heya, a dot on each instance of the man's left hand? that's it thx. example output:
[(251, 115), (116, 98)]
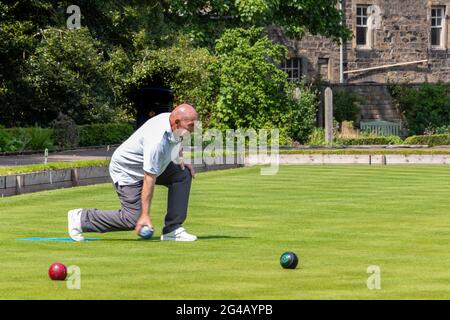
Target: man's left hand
[(189, 166)]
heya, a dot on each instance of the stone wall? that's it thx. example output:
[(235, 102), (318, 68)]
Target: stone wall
[(402, 36), (66, 178), (377, 101)]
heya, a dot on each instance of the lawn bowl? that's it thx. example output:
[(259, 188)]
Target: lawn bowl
[(57, 271), (146, 232), (289, 260)]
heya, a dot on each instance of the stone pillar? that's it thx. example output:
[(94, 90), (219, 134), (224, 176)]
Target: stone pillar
[(74, 177), (19, 184), (328, 115)]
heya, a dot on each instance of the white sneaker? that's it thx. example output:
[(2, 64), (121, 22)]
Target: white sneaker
[(74, 224), (179, 234)]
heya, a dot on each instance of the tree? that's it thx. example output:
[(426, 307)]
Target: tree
[(181, 67), (41, 74), (67, 74), (248, 90), (205, 21)]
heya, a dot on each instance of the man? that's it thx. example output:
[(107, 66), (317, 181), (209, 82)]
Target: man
[(143, 160)]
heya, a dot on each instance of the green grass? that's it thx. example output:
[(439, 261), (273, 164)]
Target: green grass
[(370, 151), (338, 219), (348, 150), (88, 163), (51, 166)]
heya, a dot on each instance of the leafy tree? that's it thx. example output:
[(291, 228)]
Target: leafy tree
[(181, 67), (248, 90), (88, 73), (248, 85), (207, 20), (67, 74)]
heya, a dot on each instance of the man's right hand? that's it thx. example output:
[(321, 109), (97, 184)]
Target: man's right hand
[(144, 220)]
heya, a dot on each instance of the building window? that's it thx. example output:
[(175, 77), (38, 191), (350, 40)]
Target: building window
[(437, 26), (293, 68), (324, 68), (361, 26)]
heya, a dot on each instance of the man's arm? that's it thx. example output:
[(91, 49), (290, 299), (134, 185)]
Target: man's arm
[(146, 200)]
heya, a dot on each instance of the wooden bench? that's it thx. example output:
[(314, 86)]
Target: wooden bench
[(380, 127)]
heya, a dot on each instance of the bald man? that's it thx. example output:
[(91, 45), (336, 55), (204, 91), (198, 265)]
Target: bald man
[(143, 160)]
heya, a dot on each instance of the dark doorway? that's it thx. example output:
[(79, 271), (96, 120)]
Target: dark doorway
[(151, 101)]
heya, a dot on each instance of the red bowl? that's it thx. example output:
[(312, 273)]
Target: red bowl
[(57, 271)]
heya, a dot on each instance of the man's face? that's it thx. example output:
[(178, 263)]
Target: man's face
[(185, 126)]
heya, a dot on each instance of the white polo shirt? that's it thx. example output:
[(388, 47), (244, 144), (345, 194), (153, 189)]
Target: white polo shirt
[(151, 148)]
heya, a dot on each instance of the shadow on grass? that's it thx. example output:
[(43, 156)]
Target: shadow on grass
[(159, 240), (221, 237), (132, 240)]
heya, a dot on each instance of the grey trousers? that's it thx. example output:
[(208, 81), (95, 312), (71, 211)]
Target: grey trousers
[(176, 180)]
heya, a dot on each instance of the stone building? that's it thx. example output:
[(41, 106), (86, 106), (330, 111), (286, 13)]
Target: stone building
[(395, 41)]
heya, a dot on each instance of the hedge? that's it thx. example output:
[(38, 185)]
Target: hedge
[(104, 134), (431, 140), (379, 140), (35, 138)]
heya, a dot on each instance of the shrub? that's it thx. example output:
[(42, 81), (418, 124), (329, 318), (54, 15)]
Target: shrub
[(104, 134), (426, 107), (5, 138), (14, 139), (34, 138), (67, 73), (317, 137), (301, 113), (443, 130), (431, 140), (370, 140), (65, 132), (249, 90), (345, 105), (39, 139), (181, 67)]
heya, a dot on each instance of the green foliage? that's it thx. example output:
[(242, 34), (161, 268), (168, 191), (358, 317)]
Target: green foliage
[(12, 140), (300, 116), (317, 137), (370, 140), (104, 134), (36, 138), (443, 130), (425, 107), (248, 90), (22, 139), (249, 86), (90, 74), (345, 106), (181, 67), (5, 139), (430, 140), (65, 132), (39, 139), (46, 68), (67, 73), (206, 21)]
